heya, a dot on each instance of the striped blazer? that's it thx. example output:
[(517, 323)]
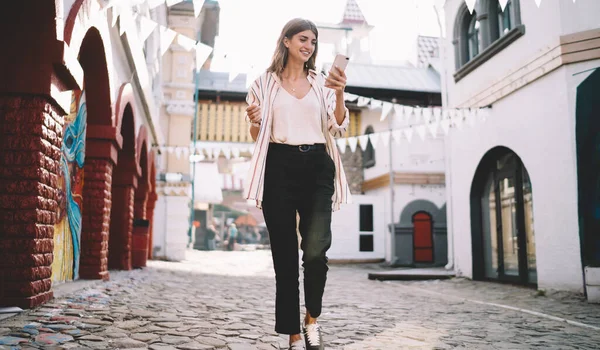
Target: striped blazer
[(263, 92)]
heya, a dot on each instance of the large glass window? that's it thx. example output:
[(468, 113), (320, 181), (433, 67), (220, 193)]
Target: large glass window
[(505, 21), (473, 37)]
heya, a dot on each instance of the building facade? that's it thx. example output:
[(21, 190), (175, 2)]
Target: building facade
[(522, 187), (77, 189)]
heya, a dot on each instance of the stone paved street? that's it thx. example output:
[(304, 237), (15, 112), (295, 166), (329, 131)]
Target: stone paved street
[(225, 300)]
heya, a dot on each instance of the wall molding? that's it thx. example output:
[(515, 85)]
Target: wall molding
[(568, 49), (404, 178)]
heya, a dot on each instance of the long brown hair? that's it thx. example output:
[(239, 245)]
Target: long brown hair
[(292, 28)]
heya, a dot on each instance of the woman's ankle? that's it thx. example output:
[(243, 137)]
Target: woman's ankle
[(295, 338)]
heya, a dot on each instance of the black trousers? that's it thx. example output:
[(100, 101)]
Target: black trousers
[(298, 178)]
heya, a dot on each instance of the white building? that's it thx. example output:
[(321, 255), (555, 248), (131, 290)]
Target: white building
[(522, 192)]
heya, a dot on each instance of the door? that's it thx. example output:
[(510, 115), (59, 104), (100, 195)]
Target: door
[(422, 238)]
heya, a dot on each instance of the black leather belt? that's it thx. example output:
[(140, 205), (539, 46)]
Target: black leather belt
[(301, 148)]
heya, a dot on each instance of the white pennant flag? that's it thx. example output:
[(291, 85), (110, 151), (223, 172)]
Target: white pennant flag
[(418, 112), (147, 26), (342, 145), (166, 38), (197, 7), (385, 110), (446, 114), (385, 137), (187, 43), (408, 110), (472, 116), (363, 101), (399, 112), (471, 5), (445, 123), (538, 2), (503, 4), (216, 152), (408, 133), (202, 53), (178, 151), (437, 113), (433, 127), (186, 151), (173, 2), (350, 97), (235, 152), (227, 152), (421, 130), (375, 104), (155, 3), (126, 22), (397, 136), (374, 138), (115, 15), (458, 119), (170, 149), (352, 143), (427, 113), (364, 141)]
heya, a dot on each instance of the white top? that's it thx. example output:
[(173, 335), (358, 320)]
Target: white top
[(297, 121)]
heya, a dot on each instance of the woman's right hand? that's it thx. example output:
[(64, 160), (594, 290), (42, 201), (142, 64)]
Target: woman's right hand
[(253, 112)]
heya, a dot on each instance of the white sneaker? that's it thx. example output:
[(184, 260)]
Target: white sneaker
[(313, 336), (297, 345)]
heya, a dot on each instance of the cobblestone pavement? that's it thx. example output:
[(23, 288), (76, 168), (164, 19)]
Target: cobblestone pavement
[(225, 300)]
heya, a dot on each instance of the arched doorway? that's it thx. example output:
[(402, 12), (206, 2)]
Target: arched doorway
[(422, 237), (588, 168), (502, 219)]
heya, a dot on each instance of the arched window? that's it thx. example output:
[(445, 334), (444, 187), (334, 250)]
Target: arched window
[(368, 156), (505, 21), (473, 36)]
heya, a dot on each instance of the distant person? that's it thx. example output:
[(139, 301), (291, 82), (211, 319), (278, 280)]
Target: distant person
[(211, 234), (295, 113), (233, 235)]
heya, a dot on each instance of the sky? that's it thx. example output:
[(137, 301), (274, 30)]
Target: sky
[(247, 34)]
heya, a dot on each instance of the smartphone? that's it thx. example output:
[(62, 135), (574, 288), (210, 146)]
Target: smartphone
[(340, 61)]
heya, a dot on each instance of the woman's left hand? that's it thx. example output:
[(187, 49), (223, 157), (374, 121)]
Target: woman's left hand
[(336, 80)]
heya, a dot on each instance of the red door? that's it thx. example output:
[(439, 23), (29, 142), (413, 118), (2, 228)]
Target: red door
[(423, 238)]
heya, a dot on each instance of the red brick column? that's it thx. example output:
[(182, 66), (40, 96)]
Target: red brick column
[(150, 205), (141, 197), (96, 219), (30, 138), (121, 217)]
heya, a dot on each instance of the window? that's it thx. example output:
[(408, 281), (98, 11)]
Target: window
[(365, 243), (366, 218), (480, 35)]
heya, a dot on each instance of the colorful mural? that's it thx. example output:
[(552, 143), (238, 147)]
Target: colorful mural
[(67, 232)]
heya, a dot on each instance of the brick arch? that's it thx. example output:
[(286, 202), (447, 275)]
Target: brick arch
[(125, 181), (102, 145)]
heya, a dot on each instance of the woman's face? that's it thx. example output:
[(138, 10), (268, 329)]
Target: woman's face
[(301, 46)]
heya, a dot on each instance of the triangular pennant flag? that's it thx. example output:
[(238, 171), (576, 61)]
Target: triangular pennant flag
[(399, 112), (216, 152), (170, 149), (418, 112), (197, 7), (374, 138), (173, 2), (445, 123), (187, 43), (186, 151), (202, 53), (178, 151), (364, 141), (385, 137), (227, 152), (235, 152), (421, 130), (503, 4), (350, 97), (166, 38), (352, 143), (538, 2), (458, 119), (375, 104), (445, 114), (427, 113), (470, 5), (363, 101), (484, 113), (472, 113), (341, 145), (147, 26), (408, 110), (385, 110), (397, 136), (433, 127), (155, 3), (126, 20), (437, 113), (408, 133)]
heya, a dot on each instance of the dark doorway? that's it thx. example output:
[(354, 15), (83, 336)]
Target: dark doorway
[(502, 219)]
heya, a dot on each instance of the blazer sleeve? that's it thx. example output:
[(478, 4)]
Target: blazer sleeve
[(335, 129)]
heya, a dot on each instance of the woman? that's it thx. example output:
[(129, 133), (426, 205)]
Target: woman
[(296, 167)]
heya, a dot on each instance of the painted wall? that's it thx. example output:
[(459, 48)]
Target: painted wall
[(67, 232)]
